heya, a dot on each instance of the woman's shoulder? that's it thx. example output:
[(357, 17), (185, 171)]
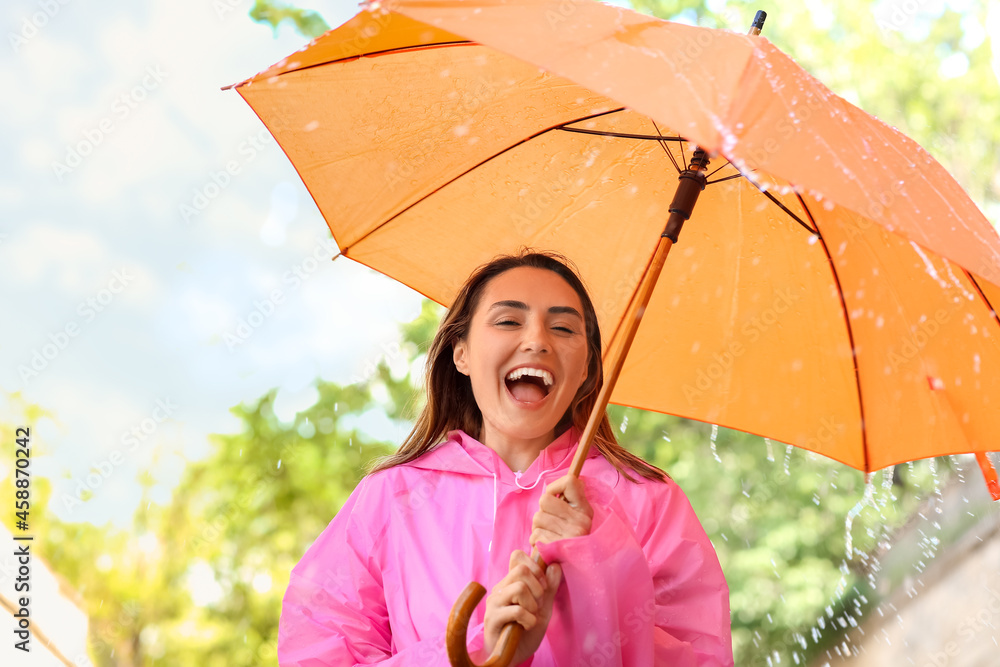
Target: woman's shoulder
[(644, 502), (629, 483)]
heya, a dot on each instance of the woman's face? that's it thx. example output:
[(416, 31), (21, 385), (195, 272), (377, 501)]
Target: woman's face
[(528, 322)]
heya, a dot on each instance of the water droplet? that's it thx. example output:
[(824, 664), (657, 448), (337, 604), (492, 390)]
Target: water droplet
[(712, 439)]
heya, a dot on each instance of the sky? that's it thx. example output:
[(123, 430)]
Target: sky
[(146, 289)]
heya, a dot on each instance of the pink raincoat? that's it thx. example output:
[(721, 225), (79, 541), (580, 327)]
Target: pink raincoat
[(643, 588)]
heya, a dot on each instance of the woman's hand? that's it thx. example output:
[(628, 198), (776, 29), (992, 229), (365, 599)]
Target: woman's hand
[(524, 596), (562, 512)]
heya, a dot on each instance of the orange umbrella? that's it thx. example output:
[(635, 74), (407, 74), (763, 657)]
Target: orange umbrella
[(835, 297), (834, 286)]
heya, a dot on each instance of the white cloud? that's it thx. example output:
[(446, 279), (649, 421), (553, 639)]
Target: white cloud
[(121, 207), (69, 257)]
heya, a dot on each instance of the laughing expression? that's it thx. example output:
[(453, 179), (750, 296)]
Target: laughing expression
[(525, 354)]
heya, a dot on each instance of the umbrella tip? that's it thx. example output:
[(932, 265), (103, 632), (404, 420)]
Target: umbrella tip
[(758, 22)]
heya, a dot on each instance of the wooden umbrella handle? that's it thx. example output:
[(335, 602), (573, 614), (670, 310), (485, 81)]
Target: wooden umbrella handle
[(458, 628)]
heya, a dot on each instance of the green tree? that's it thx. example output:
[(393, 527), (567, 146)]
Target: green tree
[(307, 22)]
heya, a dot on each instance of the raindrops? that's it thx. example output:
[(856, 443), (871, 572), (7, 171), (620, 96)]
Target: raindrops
[(866, 500)]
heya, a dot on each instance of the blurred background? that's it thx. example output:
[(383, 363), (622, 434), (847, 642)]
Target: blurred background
[(203, 386)]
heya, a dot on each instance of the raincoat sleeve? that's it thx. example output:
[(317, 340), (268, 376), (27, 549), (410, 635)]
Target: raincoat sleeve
[(645, 591), (334, 610)]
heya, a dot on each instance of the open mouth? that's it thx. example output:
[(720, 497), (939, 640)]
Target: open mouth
[(529, 385)]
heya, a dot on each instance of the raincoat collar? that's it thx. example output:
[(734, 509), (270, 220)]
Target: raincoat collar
[(464, 454)]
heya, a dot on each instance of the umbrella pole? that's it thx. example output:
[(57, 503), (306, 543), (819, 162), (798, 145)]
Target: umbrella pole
[(691, 183)]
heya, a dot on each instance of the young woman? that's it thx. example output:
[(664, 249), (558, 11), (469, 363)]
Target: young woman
[(512, 375)]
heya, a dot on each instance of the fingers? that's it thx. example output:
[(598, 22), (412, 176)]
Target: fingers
[(553, 576), (524, 585), (513, 614), (523, 568), (519, 597), (518, 557), (563, 512), (509, 603), (572, 491)]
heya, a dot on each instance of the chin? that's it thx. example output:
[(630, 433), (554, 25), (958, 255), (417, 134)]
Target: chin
[(531, 431)]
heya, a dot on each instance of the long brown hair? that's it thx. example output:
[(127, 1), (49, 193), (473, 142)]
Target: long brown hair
[(451, 403)]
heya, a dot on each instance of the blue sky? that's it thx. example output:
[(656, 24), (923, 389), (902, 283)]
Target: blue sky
[(123, 308)]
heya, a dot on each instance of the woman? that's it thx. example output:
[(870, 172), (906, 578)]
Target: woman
[(512, 375)]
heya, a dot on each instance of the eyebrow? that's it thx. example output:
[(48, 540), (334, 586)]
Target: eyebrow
[(520, 305)]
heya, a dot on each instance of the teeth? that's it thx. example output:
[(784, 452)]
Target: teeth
[(536, 372)]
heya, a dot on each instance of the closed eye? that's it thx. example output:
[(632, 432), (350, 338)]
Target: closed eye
[(515, 322)]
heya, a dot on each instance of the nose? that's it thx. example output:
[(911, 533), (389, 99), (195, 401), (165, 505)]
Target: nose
[(537, 337)]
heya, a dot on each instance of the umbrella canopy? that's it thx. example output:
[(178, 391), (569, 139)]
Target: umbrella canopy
[(831, 291)]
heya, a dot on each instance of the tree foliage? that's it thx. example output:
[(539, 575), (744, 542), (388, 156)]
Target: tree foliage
[(305, 21)]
